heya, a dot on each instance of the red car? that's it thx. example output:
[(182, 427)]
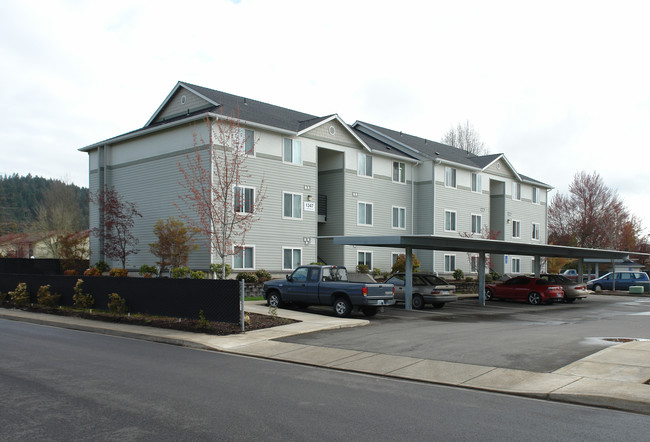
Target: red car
[(523, 288)]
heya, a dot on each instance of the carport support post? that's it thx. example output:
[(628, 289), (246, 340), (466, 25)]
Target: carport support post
[(481, 279), (613, 275), (408, 286), (242, 295), (581, 270)]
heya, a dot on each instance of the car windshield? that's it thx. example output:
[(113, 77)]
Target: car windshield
[(561, 279)]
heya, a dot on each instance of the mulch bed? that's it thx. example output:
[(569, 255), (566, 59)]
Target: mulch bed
[(256, 322)]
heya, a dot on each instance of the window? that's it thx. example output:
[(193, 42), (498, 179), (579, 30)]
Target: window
[(516, 191), (450, 221), (393, 258), (243, 259), (399, 218), (399, 172), (244, 198), (450, 177), (450, 263), (473, 263), (291, 258), (365, 258), (476, 183), (365, 165), (477, 221), (249, 142), (516, 229), (292, 205), (292, 151), (365, 214), (535, 195), (516, 265), (535, 233)]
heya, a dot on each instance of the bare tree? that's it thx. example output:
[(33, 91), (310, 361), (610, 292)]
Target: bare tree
[(465, 137), (216, 203), (591, 215), (118, 221), (59, 214)]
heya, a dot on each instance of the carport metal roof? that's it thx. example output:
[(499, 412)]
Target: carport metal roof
[(459, 244)]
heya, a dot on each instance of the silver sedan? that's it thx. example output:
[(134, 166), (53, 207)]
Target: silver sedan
[(427, 289)]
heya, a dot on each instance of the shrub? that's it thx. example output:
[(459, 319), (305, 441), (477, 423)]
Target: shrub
[(119, 273), (3, 297), (197, 274), (116, 304), (363, 268), (203, 322), (458, 274), (316, 263), (216, 269), (494, 275), (81, 300), (247, 277), (92, 272), (400, 263), (180, 272), (148, 271), (262, 275), (20, 296), (70, 272), (488, 278), (45, 298), (376, 272), (469, 279), (102, 266)]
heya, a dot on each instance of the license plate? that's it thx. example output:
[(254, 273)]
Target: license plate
[(381, 302), (445, 292)]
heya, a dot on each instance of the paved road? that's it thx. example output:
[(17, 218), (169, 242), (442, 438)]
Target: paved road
[(502, 334), (59, 384)]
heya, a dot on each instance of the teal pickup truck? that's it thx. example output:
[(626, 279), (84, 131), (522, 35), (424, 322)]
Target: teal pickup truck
[(328, 285)]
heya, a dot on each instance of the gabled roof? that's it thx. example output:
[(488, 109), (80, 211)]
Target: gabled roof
[(244, 109), (422, 148)]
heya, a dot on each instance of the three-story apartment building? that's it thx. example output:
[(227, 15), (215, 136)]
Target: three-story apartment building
[(322, 178)]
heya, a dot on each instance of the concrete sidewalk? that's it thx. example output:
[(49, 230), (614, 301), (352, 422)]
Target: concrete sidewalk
[(615, 377)]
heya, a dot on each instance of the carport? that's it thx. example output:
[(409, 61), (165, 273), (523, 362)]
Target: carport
[(476, 245)]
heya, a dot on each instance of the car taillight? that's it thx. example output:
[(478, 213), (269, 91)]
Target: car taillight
[(393, 290), (581, 287), (364, 291), (435, 292)]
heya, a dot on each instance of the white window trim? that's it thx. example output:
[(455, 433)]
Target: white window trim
[(480, 225), (479, 183), (391, 172), (513, 225), (472, 258), (532, 232), (254, 144), (512, 264), (243, 246), (393, 257), (293, 140), (536, 191), (444, 221), (372, 166), (301, 200), (453, 177), (516, 185), (393, 219), (373, 214), (444, 262), (243, 205), (372, 258), (292, 249)]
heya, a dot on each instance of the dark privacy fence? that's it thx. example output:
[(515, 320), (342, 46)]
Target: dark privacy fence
[(178, 298)]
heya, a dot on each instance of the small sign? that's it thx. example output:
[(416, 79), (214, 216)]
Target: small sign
[(310, 206)]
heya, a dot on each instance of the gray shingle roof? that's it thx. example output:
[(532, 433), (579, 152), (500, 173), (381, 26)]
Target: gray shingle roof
[(256, 111)]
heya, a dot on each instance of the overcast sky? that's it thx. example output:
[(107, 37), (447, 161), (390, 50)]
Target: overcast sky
[(557, 86)]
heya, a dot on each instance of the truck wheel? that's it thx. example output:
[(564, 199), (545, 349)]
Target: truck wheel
[(417, 302), (342, 307), (369, 311), (273, 299)]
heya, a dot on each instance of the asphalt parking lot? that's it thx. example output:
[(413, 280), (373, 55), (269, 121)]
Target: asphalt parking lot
[(501, 334)]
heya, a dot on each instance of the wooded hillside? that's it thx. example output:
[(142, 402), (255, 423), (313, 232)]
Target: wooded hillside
[(31, 203)]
